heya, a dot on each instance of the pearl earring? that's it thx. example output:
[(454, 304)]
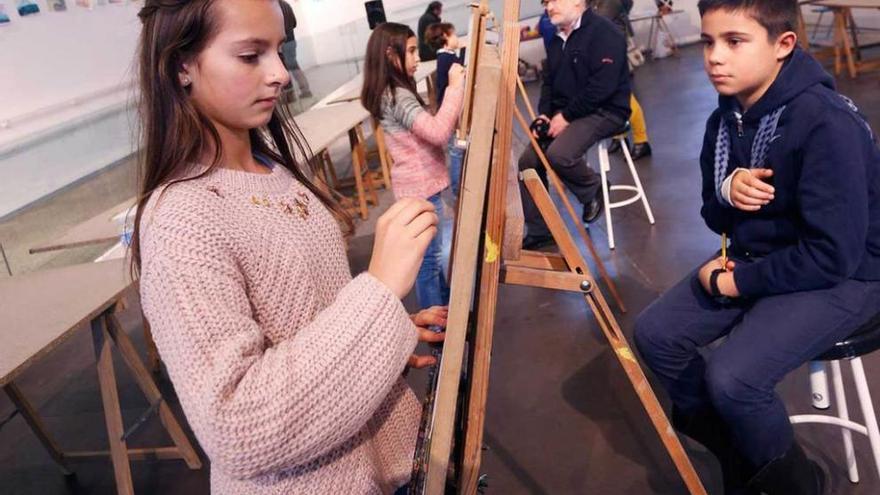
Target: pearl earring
[(186, 81)]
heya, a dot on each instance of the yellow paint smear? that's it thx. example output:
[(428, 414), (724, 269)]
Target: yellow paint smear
[(625, 353), (492, 250)]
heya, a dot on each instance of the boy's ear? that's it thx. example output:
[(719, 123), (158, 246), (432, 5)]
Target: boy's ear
[(785, 44)]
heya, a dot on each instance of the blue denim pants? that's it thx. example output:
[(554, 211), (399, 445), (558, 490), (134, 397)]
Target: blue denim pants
[(432, 289), (455, 155)]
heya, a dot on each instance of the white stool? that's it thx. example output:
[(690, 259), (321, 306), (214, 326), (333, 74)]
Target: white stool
[(863, 341), (605, 167)]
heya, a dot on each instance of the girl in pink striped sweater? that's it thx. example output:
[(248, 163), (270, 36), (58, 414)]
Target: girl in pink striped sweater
[(415, 138), (288, 369)]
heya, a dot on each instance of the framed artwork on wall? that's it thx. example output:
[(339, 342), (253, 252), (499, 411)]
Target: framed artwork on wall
[(4, 17), (57, 5), (89, 4)]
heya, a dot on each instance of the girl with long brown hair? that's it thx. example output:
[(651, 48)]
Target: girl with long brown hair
[(416, 139), (288, 370)]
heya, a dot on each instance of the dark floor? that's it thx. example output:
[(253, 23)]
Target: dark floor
[(562, 418)]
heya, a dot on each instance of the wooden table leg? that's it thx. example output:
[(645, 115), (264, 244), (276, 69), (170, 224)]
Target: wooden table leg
[(331, 169), (151, 391), (357, 169), (368, 175), (803, 37), (29, 413), (153, 361), (843, 42), (384, 159), (112, 410)]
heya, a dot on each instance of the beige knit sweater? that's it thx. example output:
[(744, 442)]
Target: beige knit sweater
[(288, 370)]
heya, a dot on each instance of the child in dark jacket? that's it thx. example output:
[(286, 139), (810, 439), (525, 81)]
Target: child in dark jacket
[(441, 37), (791, 173)]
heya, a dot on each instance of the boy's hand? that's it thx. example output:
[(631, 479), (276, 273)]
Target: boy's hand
[(726, 283), (557, 125), (749, 191)]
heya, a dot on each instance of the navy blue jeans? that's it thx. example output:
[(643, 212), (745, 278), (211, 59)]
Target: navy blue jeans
[(766, 339), (432, 288)]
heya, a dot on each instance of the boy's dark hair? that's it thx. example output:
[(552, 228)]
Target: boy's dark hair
[(434, 6), (436, 34), (776, 16)]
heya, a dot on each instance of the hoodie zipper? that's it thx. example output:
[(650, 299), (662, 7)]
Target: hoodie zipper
[(739, 124)]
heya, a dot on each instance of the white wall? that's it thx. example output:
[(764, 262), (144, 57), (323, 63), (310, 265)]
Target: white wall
[(64, 97), (53, 57)]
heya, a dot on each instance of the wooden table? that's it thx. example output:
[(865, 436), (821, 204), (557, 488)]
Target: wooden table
[(353, 87), (658, 24), (103, 228), (41, 310), (322, 127), (844, 46)]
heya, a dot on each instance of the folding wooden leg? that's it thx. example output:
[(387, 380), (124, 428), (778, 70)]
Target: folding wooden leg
[(596, 301), (369, 185), (112, 411), (153, 361), (331, 169), (357, 166), (843, 41), (384, 159), (151, 391), (30, 416)]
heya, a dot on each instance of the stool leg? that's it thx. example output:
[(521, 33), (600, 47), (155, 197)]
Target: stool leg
[(867, 409), (635, 176), (604, 167), (843, 413), (819, 385)]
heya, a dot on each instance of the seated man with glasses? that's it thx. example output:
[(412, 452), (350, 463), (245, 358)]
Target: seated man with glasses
[(584, 98)]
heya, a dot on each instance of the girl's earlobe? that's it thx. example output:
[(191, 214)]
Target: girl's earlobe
[(184, 76)]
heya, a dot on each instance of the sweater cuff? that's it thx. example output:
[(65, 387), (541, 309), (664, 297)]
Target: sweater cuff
[(379, 295), (749, 283), (725, 186)]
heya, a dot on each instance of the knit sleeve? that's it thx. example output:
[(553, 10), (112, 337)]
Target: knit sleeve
[(259, 408), (437, 129)]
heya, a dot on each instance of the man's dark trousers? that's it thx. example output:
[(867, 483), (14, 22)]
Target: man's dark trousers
[(566, 156)]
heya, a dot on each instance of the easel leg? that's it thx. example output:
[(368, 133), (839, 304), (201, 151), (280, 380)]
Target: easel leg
[(29, 413), (481, 350), (613, 334), (112, 411), (151, 391)]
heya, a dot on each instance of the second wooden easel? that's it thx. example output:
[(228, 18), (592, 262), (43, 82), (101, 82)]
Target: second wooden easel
[(487, 165)]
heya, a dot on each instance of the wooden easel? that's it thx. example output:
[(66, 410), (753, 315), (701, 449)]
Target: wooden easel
[(493, 109)]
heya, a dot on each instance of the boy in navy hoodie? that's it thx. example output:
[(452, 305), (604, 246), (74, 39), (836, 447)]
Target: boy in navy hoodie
[(791, 173)]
